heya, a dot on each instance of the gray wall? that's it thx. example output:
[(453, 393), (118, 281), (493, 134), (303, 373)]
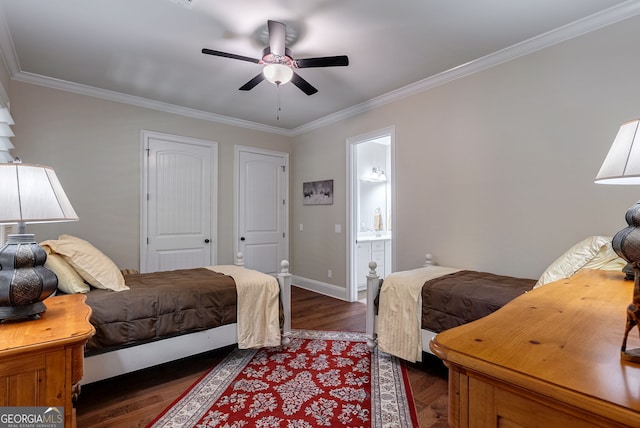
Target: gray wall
[(493, 171), (95, 147)]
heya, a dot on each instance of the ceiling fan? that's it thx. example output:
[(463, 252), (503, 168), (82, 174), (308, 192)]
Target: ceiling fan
[(279, 62)]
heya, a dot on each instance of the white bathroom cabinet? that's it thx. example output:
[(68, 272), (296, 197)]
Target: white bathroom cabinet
[(373, 249)]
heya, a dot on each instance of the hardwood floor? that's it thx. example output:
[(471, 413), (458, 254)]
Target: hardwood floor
[(133, 400)]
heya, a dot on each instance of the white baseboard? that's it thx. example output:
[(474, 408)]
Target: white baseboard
[(320, 287)]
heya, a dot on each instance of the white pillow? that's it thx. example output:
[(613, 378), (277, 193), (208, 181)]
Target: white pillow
[(594, 252), (91, 264), (69, 281), (606, 259)]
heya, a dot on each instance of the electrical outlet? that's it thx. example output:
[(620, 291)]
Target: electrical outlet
[(329, 273), (301, 227)]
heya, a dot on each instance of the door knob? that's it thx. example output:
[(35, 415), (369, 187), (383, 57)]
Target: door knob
[(206, 241), (242, 238)]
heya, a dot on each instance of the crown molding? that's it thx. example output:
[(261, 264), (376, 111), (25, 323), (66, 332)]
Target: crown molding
[(143, 102), (591, 23)]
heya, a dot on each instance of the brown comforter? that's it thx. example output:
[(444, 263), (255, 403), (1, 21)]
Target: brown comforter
[(160, 305), (458, 298)]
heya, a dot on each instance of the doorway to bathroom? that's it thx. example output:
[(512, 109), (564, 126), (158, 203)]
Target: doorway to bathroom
[(371, 202)]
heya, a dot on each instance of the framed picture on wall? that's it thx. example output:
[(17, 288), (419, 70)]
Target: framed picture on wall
[(318, 192)]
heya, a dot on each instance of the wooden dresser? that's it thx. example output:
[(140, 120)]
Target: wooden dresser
[(41, 361), (550, 358)]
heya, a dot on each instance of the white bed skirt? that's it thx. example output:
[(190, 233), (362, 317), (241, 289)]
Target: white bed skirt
[(127, 360)]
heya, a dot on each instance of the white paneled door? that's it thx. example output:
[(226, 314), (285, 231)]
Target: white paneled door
[(179, 194), (262, 208)]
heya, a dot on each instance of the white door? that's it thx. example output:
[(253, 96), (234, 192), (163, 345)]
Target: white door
[(262, 208), (179, 192)]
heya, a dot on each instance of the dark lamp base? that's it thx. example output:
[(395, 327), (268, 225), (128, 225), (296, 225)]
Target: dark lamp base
[(626, 244), (632, 355), (24, 281), (32, 311)]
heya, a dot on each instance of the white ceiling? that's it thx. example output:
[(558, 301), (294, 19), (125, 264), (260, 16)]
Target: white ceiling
[(148, 52)]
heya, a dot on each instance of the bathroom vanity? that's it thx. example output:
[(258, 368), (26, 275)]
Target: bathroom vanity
[(373, 247)]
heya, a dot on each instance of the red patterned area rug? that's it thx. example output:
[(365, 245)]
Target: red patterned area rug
[(321, 379)]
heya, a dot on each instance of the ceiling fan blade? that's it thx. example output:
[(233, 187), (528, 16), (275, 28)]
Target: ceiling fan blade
[(253, 82), (327, 61), (229, 55), (277, 35), (303, 84)]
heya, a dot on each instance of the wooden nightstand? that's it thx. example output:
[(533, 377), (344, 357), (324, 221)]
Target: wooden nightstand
[(41, 361), (549, 358)]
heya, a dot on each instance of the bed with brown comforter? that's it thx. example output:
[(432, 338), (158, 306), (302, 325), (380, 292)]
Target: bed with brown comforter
[(164, 316), (410, 307), (159, 305), (430, 300), (147, 319)]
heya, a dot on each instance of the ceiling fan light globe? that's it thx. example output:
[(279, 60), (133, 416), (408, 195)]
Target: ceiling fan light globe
[(278, 74)]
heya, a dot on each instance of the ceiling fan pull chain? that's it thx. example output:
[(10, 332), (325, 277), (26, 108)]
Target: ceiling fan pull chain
[(278, 101)]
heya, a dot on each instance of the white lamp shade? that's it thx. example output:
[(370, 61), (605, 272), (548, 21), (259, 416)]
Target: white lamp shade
[(6, 117), (622, 164), (5, 144), (32, 194), (278, 74), (5, 130)]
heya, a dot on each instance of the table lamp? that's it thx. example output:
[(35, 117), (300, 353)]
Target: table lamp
[(622, 166), (28, 194)]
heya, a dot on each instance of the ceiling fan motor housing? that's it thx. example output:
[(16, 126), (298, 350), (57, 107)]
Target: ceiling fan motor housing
[(286, 59)]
